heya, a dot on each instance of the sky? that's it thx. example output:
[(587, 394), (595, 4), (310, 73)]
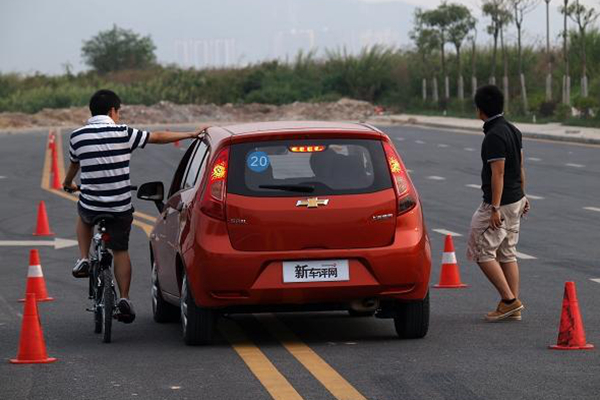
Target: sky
[(46, 36)]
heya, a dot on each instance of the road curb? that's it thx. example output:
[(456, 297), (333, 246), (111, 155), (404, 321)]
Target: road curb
[(526, 134)]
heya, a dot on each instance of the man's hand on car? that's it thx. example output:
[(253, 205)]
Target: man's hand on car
[(201, 132)]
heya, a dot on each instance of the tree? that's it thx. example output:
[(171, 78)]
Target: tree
[(583, 17), (438, 20), (473, 40), (566, 92), (460, 23), (118, 49), (499, 16), (520, 8), (548, 56), (426, 40)]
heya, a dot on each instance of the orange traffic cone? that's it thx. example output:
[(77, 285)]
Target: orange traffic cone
[(43, 227), (449, 276), (32, 349), (35, 278), (55, 174), (571, 335), (52, 141)]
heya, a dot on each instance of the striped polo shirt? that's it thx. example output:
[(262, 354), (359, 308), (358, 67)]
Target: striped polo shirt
[(103, 150)]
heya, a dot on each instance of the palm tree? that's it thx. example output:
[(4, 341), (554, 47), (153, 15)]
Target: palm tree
[(548, 56), (499, 16), (522, 7), (583, 17), (566, 92), (461, 22)]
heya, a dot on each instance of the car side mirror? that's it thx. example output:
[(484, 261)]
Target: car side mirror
[(153, 191)]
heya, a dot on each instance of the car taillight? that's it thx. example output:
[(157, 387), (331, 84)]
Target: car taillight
[(213, 202), (306, 149), (402, 185)]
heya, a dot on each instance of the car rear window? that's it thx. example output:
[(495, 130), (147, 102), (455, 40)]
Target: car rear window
[(286, 168)]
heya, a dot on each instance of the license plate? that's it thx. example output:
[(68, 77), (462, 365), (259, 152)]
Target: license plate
[(316, 271)]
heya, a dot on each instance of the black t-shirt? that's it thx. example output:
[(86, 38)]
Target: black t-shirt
[(502, 142)]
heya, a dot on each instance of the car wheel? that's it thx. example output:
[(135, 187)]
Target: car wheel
[(161, 310), (198, 323), (412, 318)]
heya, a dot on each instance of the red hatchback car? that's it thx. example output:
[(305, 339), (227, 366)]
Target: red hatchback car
[(283, 216)]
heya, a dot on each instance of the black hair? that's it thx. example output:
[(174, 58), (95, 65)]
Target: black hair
[(489, 100), (103, 100)]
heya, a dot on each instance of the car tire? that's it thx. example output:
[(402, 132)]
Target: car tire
[(198, 323), (412, 318), (161, 310)]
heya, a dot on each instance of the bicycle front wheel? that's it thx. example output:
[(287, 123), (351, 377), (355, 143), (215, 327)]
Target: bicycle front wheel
[(108, 304)]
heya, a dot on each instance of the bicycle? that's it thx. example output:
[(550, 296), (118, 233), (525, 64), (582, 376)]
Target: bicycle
[(102, 290)]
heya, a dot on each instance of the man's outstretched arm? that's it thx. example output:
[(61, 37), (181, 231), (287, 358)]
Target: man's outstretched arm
[(71, 174), (162, 137)]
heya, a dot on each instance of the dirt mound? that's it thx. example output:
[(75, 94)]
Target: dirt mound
[(170, 113)]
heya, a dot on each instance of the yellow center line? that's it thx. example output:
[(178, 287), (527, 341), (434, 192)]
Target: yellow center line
[(340, 388), (147, 228), (276, 384)]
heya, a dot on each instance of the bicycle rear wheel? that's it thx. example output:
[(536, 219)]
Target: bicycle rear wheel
[(108, 304), (96, 295)]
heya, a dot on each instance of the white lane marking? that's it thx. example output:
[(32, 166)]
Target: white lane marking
[(2, 177), (436, 178), (534, 159), (400, 139), (57, 243), (533, 197), (575, 165), (595, 280), (10, 308), (443, 146), (469, 149), (592, 209), (410, 171), (419, 142), (474, 186), (524, 256), (446, 232)]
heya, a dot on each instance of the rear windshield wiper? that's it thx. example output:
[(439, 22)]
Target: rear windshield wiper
[(290, 188)]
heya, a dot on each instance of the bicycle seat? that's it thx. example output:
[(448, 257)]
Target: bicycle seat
[(100, 217)]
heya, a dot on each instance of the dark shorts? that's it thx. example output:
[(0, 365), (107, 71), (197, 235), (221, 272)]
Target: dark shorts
[(118, 229)]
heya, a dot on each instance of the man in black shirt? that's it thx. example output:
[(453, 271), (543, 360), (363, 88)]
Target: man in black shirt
[(495, 224)]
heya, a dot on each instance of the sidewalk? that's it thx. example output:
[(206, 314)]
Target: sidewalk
[(552, 131)]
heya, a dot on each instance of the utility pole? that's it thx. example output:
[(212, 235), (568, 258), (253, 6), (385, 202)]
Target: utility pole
[(548, 56)]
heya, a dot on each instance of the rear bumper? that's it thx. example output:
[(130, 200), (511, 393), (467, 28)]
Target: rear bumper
[(222, 277)]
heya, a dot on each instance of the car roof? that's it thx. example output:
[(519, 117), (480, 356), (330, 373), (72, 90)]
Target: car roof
[(291, 126)]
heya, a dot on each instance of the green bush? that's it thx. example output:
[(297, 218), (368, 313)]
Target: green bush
[(587, 106), (563, 112)]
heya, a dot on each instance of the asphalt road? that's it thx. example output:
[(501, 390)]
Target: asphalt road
[(323, 355)]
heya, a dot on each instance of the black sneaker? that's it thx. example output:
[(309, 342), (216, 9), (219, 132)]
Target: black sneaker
[(125, 313), (81, 268)]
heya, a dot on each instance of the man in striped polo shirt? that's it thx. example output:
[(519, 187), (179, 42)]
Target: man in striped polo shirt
[(101, 151)]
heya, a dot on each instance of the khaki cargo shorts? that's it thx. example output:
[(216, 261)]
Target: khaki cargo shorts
[(487, 244)]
